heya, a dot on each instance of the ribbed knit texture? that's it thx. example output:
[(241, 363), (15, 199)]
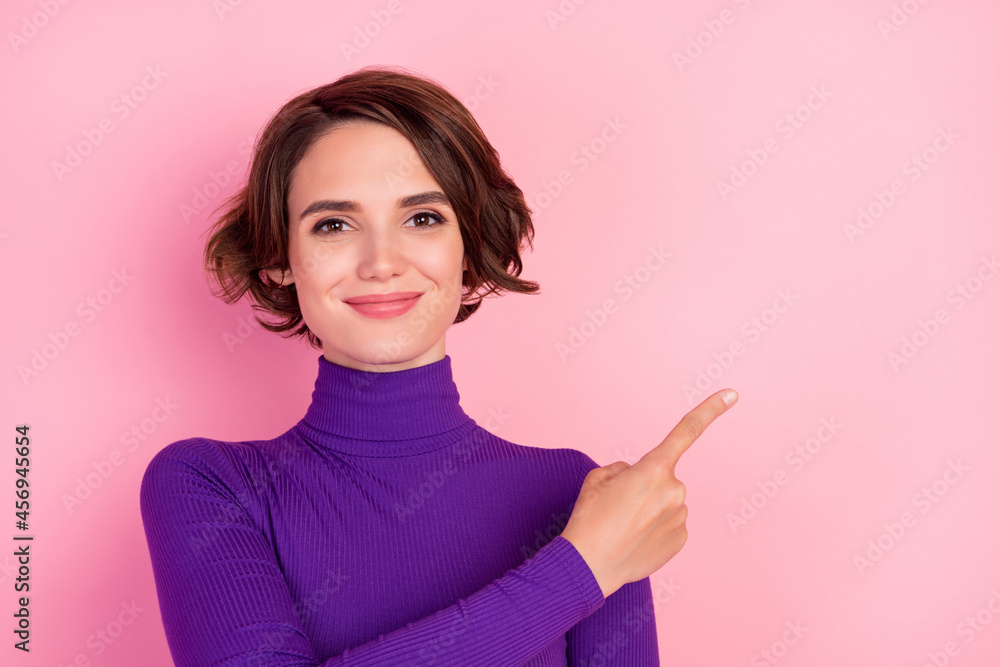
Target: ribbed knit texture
[(385, 528)]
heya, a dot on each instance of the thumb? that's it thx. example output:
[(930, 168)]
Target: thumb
[(604, 473), (597, 477), (614, 468)]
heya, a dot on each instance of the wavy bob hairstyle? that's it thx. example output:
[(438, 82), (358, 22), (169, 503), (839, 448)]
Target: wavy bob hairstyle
[(251, 234)]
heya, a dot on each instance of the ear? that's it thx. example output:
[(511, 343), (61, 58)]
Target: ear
[(284, 278), (465, 263)]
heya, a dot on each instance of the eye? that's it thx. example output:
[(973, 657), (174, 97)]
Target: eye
[(433, 219), (424, 218), (318, 229)]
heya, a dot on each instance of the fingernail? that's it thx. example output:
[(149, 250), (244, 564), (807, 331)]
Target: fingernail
[(729, 397)]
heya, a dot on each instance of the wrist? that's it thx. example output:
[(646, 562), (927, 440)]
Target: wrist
[(603, 579)]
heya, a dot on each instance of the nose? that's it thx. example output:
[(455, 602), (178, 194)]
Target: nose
[(381, 256)]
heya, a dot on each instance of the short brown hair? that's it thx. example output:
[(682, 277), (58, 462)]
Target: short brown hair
[(251, 235)]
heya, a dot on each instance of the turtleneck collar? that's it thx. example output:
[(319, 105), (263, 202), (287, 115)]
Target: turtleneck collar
[(398, 413)]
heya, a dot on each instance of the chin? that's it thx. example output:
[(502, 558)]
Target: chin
[(383, 351)]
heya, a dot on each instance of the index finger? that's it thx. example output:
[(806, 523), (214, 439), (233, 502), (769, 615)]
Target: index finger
[(690, 428)]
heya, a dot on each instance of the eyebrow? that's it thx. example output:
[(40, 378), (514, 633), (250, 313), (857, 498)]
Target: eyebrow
[(346, 205)]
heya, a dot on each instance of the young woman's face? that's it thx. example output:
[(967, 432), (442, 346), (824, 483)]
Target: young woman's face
[(367, 218)]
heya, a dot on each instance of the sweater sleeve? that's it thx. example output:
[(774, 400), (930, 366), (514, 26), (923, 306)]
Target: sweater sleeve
[(623, 631), (224, 601)]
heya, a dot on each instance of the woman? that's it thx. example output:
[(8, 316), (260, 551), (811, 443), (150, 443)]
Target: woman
[(387, 527)]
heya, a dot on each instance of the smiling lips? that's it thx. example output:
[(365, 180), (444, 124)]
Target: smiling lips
[(381, 306)]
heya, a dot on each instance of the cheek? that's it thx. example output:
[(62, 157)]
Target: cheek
[(447, 260), (318, 283), (314, 266), (451, 283), (445, 268)]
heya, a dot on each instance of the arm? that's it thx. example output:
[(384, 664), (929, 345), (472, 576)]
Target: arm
[(224, 601), (623, 631)]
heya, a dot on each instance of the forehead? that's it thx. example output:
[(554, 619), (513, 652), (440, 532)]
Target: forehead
[(360, 159)]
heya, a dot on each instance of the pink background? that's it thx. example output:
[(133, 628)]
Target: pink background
[(807, 110)]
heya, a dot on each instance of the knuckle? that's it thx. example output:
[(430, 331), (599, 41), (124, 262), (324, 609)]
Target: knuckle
[(595, 477), (661, 471), (693, 427)]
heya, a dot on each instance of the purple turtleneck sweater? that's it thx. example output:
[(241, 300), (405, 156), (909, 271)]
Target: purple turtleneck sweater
[(385, 528)]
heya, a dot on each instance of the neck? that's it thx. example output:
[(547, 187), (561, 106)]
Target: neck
[(374, 413)]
